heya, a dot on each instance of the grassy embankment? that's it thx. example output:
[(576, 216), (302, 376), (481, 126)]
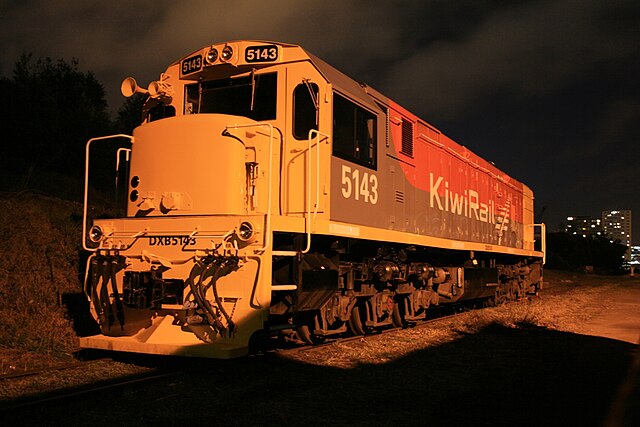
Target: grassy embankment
[(40, 254)]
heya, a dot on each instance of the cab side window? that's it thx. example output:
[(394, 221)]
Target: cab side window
[(354, 132), (304, 110)]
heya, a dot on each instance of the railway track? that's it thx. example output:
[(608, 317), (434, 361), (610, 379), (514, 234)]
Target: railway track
[(379, 334), (48, 369), (58, 396), (446, 314), (156, 374)]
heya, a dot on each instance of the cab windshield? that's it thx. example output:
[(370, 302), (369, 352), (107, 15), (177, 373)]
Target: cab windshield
[(252, 96)]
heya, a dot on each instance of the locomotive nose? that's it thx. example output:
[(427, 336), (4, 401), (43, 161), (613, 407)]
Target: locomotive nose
[(182, 163)]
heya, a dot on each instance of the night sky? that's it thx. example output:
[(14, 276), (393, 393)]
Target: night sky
[(547, 90)]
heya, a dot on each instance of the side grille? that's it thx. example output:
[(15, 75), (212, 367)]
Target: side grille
[(407, 138)]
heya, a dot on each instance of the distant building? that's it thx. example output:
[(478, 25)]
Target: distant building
[(616, 225), (635, 255), (584, 226)]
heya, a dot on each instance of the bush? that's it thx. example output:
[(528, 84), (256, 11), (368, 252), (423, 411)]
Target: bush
[(571, 252)]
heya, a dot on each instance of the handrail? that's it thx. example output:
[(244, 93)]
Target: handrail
[(86, 277), (543, 240), (86, 184), (128, 156), (315, 211), (267, 226), (127, 152)]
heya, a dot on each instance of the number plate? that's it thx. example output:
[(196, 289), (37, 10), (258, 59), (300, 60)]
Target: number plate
[(191, 65), (264, 53), (172, 241)]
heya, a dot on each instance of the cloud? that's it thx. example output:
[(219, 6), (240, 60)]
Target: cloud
[(103, 36), (434, 56), (120, 38), (544, 86), (349, 31), (528, 50)]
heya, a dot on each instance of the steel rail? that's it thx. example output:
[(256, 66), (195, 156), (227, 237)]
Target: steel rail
[(22, 403), (380, 333)]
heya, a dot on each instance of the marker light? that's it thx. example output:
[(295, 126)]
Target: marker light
[(212, 55), (96, 234), (245, 233), (227, 53)]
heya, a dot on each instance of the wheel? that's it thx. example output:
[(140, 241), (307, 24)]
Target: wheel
[(501, 295), (489, 302), (355, 321), (305, 335), (397, 317), (306, 325)]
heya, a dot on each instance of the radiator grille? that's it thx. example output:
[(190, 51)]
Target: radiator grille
[(407, 138)]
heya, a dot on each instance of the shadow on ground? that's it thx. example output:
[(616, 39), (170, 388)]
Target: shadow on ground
[(497, 377)]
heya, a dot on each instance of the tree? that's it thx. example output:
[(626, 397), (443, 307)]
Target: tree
[(51, 109), (571, 252), (130, 114)]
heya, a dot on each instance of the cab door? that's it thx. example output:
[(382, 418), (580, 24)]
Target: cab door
[(306, 154)]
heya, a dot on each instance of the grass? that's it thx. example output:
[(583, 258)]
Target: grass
[(39, 271)]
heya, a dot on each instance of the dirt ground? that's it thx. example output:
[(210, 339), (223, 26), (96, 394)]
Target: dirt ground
[(568, 358), (621, 319)]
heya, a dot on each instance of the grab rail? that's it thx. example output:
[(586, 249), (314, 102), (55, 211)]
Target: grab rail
[(543, 240), (86, 184), (315, 209), (267, 226), (307, 220)]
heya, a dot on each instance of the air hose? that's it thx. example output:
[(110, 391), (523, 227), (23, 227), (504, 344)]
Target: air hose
[(225, 268), (113, 264), (197, 270), (103, 273), (206, 305), (215, 268)]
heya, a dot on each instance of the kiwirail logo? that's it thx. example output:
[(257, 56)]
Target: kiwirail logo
[(465, 204)]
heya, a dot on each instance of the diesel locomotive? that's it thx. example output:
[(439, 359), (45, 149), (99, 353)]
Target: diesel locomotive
[(269, 194)]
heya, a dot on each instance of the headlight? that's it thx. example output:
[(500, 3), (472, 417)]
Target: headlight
[(245, 233), (212, 55), (227, 53), (96, 234)]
